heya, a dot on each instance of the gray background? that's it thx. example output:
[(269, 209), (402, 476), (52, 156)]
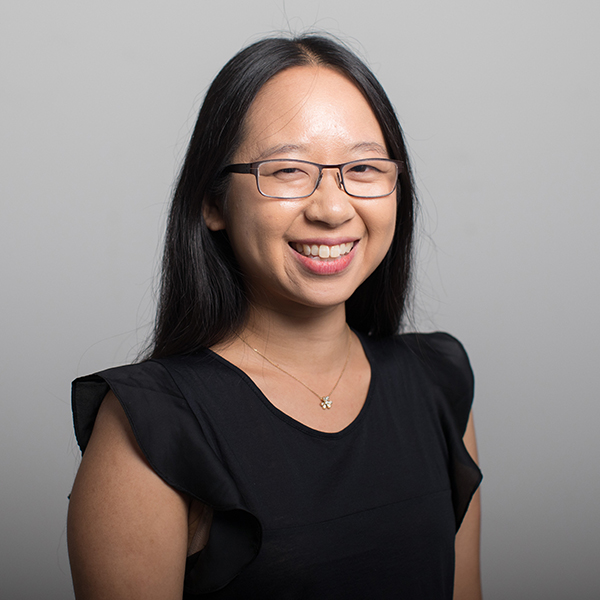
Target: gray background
[(499, 102)]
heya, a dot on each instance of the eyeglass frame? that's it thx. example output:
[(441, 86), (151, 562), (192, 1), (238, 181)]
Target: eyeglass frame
[(252, 168)]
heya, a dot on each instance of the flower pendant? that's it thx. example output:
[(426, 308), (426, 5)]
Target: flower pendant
[(325, 402)]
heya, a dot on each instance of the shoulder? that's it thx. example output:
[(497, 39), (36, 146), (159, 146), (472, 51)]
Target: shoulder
[(164, 424), (177, 441), (431, 361), (440, 353), (444, 357), (141, 387)]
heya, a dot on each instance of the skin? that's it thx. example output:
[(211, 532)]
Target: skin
[(127, 530), (467, 575), (288, 301), (314, 126)]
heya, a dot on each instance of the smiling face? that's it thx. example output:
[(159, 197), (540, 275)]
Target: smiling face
[(315, 251)]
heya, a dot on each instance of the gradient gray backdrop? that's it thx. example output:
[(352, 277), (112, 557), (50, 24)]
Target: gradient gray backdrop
[(499, 102)]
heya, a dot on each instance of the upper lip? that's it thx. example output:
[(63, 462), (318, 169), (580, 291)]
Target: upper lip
[(325, 241)]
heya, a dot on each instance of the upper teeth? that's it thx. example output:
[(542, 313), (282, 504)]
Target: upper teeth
[(324, 251)]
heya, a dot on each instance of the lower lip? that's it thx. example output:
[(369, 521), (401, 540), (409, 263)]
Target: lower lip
[(325, 266)]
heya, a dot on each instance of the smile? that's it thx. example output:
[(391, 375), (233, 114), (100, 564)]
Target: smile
[(323, 251)]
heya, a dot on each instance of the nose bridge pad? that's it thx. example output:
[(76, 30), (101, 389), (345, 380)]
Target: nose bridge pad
[(338, 179), (319, 179)]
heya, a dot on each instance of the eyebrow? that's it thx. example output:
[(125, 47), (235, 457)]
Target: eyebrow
[(284, 148), (369, 147), (280, 149)]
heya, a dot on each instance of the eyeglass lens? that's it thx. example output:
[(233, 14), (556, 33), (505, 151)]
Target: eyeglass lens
[(371, 178)]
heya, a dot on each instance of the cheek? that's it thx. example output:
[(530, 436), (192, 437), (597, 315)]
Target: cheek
[(252, 233), (384, 226)]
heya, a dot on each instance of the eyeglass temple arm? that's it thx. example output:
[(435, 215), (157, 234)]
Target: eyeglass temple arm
[(241, 168)]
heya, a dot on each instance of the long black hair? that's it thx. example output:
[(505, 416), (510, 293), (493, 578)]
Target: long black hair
[(203, 298)]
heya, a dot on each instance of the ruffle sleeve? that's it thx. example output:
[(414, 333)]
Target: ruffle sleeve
[(447, 364), (179, 450)]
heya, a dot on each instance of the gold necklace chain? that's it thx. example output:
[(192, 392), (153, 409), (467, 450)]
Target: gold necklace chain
[(325, 400)]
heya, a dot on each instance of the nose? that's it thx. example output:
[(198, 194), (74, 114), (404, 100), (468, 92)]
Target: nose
[(329, 204)]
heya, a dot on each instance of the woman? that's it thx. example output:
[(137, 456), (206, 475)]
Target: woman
[(282, 441)]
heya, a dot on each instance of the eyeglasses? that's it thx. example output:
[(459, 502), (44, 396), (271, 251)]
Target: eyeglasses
[(289, 179)]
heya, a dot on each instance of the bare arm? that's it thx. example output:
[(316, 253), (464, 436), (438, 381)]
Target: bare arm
[(127, 529), (467, 582)]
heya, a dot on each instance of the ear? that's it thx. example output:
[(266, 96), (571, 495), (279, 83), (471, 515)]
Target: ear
[(213, 215)]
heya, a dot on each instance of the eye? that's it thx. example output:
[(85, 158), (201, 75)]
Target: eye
[(363, 170), (284, 171), (289, 172)]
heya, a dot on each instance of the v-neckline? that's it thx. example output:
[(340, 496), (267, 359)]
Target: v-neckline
[(291, 420)]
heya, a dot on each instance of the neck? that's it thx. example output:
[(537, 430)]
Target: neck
[(299, 338)]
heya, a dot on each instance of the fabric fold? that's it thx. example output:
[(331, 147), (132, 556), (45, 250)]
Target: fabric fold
[(448, 365), (208, 431), (178, 450)]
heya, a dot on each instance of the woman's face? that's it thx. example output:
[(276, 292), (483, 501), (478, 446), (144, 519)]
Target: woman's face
[(313, 114)]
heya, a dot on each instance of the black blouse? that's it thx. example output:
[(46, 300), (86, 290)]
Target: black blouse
[(368, 512)]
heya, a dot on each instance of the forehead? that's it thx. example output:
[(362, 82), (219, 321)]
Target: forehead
[(309, 109)]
